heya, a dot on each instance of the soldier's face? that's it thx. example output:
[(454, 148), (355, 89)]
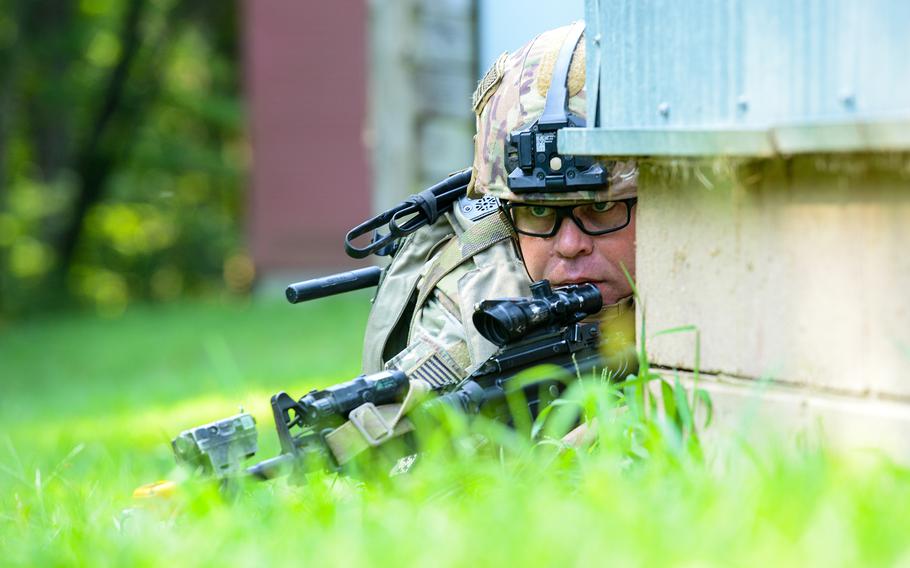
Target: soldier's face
[(573, 257)]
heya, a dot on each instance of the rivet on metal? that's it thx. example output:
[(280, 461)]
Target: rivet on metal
[(664, 109), (848, 100), (597, 39), (742, 103)]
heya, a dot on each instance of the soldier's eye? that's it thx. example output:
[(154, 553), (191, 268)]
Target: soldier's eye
[(540, 211), (602, 206)]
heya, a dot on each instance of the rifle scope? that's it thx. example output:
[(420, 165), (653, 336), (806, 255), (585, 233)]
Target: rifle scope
[(507, 320)]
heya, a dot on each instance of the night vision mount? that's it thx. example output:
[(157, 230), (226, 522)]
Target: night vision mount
[(532, 156)]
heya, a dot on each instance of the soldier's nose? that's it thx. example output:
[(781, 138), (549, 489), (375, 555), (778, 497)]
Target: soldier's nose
[(570, 241)]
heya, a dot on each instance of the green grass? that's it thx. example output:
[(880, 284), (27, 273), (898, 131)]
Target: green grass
[(88, 406)]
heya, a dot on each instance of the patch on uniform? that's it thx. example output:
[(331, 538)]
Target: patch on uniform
[(488, 84), (575, 80), (437, 366), (474, 209), (438, 371)]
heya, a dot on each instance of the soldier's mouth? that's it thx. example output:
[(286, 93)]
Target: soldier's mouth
[(574, 282), (570, 282)]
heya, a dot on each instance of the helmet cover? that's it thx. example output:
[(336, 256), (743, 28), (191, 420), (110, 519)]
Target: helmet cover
[(511, 97)]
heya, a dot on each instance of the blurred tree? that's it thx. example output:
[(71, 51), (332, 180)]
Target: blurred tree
[(122, 152)]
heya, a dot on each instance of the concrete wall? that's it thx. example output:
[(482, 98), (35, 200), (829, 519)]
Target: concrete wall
[(422, 75), (795, 271)]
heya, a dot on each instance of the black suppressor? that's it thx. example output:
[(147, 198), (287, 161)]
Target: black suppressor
[(334, 284), (508, 320)]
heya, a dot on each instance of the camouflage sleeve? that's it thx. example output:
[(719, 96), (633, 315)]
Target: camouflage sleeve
[(437, 347), (440, 318)]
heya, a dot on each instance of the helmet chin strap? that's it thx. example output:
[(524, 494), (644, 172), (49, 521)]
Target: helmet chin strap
[(555, 111)]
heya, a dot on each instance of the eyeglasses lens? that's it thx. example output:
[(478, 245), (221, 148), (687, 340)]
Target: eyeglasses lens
[(534, 219), (540, 220)]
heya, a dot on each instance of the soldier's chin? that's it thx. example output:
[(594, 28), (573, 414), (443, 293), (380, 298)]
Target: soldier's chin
[(607, 293)]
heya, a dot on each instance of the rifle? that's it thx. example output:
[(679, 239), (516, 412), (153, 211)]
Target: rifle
[(218, 449), (545, 328)]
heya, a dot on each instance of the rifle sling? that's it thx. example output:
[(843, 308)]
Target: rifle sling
[(369, 426)]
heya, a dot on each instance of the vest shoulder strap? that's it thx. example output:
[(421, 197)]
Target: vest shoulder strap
[(480, 236)]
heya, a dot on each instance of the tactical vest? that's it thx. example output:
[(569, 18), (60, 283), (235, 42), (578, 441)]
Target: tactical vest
[(476, 240), (471, 253)]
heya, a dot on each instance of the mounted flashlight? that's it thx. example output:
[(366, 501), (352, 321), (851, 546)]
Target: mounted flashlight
[(532, 155)]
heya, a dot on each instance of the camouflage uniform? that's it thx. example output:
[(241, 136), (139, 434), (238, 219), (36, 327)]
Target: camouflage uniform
[(437, 339), (434, 338), (421, 318)]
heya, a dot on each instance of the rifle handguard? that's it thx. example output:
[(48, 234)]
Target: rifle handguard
[(468, 398)]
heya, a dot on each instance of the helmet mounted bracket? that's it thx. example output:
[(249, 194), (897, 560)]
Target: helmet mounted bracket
[(532, 154)]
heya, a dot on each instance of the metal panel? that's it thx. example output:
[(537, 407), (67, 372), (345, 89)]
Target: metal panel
[(746, 76)]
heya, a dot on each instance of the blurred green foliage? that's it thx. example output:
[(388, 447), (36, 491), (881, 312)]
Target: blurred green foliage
[(90, 404), (122, 153)]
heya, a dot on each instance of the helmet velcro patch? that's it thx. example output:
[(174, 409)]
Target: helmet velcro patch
[(576, 78), (488, 84)]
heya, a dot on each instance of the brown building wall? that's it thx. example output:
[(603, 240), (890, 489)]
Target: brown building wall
[(306, 90)]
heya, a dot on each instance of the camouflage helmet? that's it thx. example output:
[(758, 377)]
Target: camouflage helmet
[(512, 96)]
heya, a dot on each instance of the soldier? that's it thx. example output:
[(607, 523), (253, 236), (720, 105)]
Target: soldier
[(535, 214), (564, 218), (574, 217)]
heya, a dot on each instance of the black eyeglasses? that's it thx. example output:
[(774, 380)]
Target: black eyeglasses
[(596, 218)]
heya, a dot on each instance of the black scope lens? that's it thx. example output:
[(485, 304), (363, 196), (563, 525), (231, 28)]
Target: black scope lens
[(500, 322), (506, 321)]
